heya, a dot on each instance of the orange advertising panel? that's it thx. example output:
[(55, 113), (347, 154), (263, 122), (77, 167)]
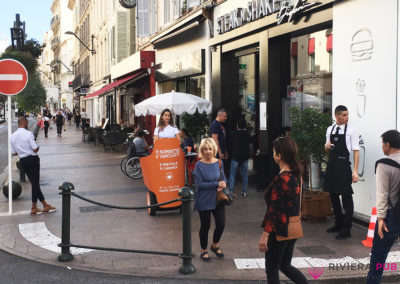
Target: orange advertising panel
[(163, 170)]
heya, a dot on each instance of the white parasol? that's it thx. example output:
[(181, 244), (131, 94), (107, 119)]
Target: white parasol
[(178, 103)]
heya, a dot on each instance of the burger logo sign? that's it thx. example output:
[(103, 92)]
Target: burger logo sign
[(362, 45)]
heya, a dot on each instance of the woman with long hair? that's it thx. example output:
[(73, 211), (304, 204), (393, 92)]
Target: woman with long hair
[(209, 179), (166, 127), (283, 201)]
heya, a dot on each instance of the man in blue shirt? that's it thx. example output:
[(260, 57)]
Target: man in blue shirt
[(218, 133)]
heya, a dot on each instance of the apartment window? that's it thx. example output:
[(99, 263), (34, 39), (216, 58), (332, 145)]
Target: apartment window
[(311, 54)]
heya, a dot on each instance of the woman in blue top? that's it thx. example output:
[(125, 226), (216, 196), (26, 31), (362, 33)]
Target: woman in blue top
[(209, 178)]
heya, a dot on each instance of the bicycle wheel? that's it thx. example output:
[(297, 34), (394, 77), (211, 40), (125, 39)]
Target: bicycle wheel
[(133, 169), (123, 164)]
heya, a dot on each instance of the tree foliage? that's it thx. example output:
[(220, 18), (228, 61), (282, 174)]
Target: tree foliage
[(24, 57), (195, 124), (34, 94)]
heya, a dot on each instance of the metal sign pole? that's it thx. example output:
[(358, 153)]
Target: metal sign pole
[(9, 158)]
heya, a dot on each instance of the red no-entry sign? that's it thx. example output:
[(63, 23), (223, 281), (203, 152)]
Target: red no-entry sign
[(13, 77)]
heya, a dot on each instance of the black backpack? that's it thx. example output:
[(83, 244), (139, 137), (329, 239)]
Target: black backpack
[(392, 163)]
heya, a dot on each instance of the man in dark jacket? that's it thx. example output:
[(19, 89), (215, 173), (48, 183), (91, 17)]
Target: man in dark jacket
[(59, 122), (240, 156)]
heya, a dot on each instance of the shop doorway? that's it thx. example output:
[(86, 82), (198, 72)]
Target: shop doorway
[(240, 89)]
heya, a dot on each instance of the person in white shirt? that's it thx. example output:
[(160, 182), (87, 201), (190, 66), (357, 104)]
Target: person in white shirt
[(165, 127), (23, 144), (341, 140)]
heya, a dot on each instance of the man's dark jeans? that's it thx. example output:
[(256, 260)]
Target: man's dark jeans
[(381, 248)]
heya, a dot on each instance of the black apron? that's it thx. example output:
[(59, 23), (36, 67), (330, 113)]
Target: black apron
[(338, 173)]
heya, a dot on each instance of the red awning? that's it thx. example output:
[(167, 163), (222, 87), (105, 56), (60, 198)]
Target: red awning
[(329, 42), (311, 46), (113, 85), (294, 49)]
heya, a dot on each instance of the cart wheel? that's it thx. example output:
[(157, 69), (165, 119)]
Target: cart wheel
[(150, 200), (123, 165), (133, 169)]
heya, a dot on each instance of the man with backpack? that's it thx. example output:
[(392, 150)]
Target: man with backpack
[(387, 229)]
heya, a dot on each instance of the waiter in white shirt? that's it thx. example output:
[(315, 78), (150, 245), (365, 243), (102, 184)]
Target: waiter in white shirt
[(341, 139), (23, 144)]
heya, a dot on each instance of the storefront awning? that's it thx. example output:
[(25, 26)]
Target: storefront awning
[(114, 84)]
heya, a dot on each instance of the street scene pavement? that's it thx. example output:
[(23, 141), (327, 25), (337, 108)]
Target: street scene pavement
[(96, 175)]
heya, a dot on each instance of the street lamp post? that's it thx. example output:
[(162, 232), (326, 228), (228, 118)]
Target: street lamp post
[(91, 50)]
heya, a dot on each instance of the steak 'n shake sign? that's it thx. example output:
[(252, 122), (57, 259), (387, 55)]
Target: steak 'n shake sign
[(257, 9)]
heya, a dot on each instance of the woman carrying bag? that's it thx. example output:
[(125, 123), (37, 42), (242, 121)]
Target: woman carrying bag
[(209, 179), (282, 223)]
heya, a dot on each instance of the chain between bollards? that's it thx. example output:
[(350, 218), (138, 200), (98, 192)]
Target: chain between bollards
[(65, 245), (187, 267)]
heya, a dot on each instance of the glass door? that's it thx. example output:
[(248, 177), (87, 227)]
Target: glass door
[(248, 89)]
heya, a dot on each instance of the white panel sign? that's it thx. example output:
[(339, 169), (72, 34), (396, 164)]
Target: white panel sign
[(263, 116), (364, 79)]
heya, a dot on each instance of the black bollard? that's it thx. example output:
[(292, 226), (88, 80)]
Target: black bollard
[(187, 197), (66, 255)]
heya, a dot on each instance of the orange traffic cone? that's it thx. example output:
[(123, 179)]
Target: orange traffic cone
[(371, 229)]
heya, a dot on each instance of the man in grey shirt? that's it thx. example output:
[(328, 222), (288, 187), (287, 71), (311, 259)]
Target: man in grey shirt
[(387, 229)]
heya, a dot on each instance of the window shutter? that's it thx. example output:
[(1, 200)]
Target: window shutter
[(294, 49), (167, 11), (132, 31), (152, 17), (122, 36), (193, 3), (143, 18)]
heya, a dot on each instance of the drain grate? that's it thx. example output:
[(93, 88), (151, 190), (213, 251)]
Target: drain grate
[(315, 250), (89, 209)]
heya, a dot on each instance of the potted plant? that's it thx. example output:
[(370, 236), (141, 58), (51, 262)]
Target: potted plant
[(308, 130), (196, 124)]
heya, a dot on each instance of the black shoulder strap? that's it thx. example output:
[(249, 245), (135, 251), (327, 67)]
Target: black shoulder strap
[(387, 161)]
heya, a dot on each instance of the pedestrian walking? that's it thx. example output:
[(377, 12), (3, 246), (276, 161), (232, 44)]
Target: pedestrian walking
[(283, 199), (84, 118), (38, 125), (24, 145), (341, 139), (387, 229), (69, 117), (46, 123), (77, 119), (166, 127), (209, 179), (218, 133), (240, 156), (59, 122)]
